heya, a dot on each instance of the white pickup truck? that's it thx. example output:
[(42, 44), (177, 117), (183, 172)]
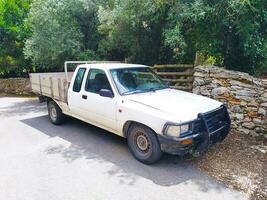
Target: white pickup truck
[(131, 101)]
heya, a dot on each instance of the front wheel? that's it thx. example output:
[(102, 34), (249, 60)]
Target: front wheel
[(144, 144), (55, 113)]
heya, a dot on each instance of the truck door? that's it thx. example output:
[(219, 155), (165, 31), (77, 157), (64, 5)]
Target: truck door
[(75, 93), (98, 109)]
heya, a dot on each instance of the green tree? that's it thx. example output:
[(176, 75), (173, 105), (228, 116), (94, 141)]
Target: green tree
[(230, 32), (61, 30), (133, 30), (12, 36)]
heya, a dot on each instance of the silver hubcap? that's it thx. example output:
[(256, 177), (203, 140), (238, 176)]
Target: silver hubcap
[(53, 113), (142, 142)]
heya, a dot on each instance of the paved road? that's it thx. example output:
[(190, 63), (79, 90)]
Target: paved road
[(77, 161)]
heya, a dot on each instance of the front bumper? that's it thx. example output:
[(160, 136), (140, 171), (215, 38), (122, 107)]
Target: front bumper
[(209, 128)]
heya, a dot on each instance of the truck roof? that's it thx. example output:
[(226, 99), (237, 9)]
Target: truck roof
[(111, 65)]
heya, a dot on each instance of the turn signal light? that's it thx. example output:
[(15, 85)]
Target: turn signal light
[(187, 141)]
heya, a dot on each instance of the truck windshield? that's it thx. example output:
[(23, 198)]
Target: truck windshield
[(137, 80)]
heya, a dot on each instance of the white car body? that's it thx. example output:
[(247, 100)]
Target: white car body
[(153, 109)]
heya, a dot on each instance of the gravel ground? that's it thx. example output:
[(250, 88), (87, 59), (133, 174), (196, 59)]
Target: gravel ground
[(240, 161)]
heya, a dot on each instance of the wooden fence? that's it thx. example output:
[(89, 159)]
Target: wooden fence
[(180, 76)]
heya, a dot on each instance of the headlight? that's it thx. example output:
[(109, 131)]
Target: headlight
[(184, 128), (176, 130), (173, 131)]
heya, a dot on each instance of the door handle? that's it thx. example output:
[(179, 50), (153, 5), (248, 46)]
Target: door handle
[(84, 96)]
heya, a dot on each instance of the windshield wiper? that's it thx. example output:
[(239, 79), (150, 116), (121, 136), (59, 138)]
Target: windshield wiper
[(165, 87), (152, 89), (158, 88), (133, 92)]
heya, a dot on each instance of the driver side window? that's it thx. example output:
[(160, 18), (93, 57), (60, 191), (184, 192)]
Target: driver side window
[(97, 80)]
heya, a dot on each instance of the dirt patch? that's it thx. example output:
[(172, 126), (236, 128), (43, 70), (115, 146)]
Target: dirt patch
[(240, 161)]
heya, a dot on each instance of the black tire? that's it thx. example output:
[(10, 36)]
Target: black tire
[(143, 144), (55, 113)]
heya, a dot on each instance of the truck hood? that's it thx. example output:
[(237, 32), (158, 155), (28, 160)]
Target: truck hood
[(181, 106)]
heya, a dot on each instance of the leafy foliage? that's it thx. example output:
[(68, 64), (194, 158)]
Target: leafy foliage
[(61, 30), (12, 35), (228, 33), (233, 32), (133, 30)]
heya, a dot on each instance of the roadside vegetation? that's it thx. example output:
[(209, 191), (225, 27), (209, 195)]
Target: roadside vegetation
[(39, 35)]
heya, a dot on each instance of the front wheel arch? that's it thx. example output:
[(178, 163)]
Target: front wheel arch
[(148, 153), (129, 123)]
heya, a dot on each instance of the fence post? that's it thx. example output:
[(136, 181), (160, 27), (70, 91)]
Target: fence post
[(197, 59)]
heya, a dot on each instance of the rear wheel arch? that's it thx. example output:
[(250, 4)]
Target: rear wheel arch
[(48, 99)]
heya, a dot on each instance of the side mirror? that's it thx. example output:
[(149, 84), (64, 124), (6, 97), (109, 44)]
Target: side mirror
[(106, 93)]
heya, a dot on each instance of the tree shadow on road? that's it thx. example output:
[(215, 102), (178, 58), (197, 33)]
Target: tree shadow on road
[(20, 106), (95, 144)]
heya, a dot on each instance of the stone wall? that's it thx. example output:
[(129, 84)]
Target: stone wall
[(15, 86), (245, 95)]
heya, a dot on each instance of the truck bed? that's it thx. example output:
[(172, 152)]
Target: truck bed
[(52, 85)]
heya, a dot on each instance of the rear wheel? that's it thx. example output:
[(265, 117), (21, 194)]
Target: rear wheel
[(55, 113), (143, 144)]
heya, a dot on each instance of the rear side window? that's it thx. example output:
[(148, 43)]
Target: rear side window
[(78, 80)]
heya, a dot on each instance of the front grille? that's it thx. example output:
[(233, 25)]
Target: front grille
[(212, 121), (198, 126), (216, 120), (213, 126)]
